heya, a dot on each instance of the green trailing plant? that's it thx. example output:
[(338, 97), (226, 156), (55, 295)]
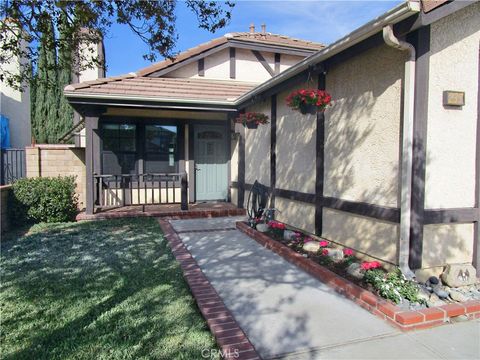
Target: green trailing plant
[(43, 200), (392, 285)]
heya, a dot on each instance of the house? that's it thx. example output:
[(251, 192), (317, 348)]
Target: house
[(391, 169)]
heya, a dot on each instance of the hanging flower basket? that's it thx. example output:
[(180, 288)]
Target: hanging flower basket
[(251, 120), (309, 101)]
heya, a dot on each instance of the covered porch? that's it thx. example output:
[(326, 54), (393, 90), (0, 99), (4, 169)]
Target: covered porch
[(153, 152)]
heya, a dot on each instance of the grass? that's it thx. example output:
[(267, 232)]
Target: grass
[(97, 290)]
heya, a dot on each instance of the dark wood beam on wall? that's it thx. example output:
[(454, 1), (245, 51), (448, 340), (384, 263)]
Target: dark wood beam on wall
[(273, 149), (233, 63), (320, 161), (241, 170), (92, 150), (476, 224), (421, 40), (201, 67), (191, 163), (277, 63), (264, 62)]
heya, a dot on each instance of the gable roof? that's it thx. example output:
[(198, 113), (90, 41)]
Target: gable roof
[(161, 89), (275, 41)]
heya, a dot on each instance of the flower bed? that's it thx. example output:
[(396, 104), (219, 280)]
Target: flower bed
[(360, 291)]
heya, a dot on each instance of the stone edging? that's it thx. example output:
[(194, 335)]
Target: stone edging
[(170, 215), (230, 338), (404, 320)]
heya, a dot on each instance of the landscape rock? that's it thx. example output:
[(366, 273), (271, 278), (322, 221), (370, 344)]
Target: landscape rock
[(435, 303), (289, 235), (433, 280), (458, 296), (311, 246), (442, 294), (355, 271), (423, 294), (335, 254), (456, 275)]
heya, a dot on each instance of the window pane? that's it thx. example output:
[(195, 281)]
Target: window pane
[(159, 138)]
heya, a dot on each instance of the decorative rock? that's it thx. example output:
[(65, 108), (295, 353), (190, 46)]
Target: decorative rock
[(311, 246), (423, 294), (355, 271), (433, 280), (435, 303), (289, 235), (262, 227), (335, 254), (457, 275), (458, 296), (442, 294)]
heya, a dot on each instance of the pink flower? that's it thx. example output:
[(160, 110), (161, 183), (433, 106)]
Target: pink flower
[(348, 252), (323, 243), (276, 225), (367, 265), (307, 239), (297, 234), (324, 252)]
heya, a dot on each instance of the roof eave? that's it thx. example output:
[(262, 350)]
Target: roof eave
[(391, 17)]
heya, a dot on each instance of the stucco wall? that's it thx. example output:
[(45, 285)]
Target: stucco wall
[(450, 166), (295, 213), (58, 160), (296, 145), (447, 244), (15, 105), (247, 67), (363, 127), (374, 237), (257, 148)]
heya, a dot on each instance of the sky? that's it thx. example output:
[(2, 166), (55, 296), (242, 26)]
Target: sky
[(322, 21)]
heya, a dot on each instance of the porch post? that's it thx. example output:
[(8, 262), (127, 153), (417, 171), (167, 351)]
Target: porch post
[(91, 125)]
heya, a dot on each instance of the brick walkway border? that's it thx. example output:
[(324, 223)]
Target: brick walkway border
[(230, 338), (168, 215), (404, 320)]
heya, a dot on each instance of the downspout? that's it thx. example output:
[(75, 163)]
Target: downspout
[(407, 149)]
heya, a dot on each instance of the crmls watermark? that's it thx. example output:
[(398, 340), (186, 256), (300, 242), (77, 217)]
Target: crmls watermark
[(214, 353)]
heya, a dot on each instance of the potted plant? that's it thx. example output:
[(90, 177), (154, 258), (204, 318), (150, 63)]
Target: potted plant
[(252, 119), (309, 101)]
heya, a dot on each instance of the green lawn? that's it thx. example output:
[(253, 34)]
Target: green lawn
[(97, 290)]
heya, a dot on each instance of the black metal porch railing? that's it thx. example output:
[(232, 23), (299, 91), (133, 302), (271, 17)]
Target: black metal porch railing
[(140, 189), (12, 165)]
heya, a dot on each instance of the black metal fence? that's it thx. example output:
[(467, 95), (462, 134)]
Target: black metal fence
[(140, 189), (12, 165)]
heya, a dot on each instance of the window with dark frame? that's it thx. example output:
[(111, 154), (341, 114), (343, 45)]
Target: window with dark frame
[(127, 148)]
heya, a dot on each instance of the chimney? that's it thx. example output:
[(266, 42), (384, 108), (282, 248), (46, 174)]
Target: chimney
[(252, 28), (264, 29)]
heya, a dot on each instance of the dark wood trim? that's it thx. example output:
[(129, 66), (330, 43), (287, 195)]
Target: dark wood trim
[(273, 148), (241, 170), (201, 67), (320, 162), (264, 62), (421, 40), (476, 225), (232, 63), (295, 195), (277, 63), (189, 60), (91, 126), (271, 48), (451, 216), (229, 125), (191, 163), (363, 209)]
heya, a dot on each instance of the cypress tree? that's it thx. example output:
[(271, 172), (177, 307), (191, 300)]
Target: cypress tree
[(65, 111)]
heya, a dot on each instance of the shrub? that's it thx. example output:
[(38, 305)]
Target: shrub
[(393, 285), (43, 200)]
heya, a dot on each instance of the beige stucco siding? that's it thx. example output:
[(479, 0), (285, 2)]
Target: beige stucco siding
[(363, 127), (374, 237), (287, 61), (447, 244), (257, 148), (295, 213), (186, 71), (296, 146), (450, 165)]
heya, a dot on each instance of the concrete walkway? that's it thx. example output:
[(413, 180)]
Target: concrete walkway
[(288, 314)]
